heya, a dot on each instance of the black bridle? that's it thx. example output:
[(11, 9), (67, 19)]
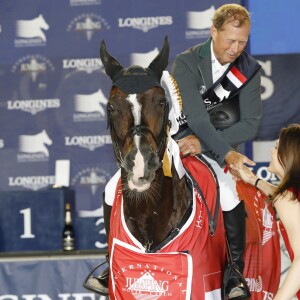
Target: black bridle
[(139, 130)]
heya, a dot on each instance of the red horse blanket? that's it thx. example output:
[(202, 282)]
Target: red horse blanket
[(262, 255), (190, 266)]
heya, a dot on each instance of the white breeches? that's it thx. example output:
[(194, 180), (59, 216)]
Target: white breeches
[(228, 194)]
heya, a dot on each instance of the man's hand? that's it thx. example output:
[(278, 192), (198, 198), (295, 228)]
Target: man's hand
[(189, 145), (236, 159)]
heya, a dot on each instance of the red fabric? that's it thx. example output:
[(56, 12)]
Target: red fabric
[(287, 246), (262, 255), (200, 271)]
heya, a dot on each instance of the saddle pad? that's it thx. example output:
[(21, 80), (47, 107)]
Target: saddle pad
[(140, 275)]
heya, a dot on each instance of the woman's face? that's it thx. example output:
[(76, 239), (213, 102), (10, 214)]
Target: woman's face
[(275, 167)]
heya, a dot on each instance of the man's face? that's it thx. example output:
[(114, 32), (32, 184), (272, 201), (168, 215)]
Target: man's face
[(230, 41)]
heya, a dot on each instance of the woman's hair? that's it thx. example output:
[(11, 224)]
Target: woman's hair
[(289, 157), (230, 12)]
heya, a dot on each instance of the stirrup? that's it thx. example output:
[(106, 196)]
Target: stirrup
[(234, 284), (98, 284)]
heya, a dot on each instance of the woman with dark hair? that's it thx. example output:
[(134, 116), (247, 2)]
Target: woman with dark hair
[(285, 163)]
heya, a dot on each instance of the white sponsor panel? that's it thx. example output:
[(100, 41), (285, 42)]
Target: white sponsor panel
[(200, 19), (268, 87), (199, 23), (262, 150), (144, 59)]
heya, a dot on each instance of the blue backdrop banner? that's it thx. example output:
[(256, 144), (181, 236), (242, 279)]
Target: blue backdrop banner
[(53, 89)]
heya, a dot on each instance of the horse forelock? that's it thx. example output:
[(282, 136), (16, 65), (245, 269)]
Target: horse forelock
[(136, 80)]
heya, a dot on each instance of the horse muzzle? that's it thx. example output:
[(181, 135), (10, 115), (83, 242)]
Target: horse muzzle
[(141, 169)]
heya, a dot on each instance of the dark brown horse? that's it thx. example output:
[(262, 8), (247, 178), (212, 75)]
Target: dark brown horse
[(157, 214)]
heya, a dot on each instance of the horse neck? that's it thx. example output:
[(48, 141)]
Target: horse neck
[(154, 217)]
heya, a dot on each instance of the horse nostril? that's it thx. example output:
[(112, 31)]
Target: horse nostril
[(153, 162)]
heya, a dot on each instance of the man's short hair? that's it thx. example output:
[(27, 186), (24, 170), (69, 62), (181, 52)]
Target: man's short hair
[(230, 12)]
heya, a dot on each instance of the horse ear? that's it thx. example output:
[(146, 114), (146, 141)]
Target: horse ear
[(161, 61), (111, 65)]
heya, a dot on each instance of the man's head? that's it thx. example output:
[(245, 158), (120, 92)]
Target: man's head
[(230, 32)]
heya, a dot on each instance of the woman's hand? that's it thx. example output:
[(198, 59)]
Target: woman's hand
[(244, 173)]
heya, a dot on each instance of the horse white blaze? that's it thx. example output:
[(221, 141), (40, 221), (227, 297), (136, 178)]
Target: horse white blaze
[(139, 163)]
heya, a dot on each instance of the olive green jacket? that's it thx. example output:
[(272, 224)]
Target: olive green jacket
[(192, 70)]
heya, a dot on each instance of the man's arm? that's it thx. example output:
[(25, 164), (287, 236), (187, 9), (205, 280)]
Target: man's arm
[(195, 111)]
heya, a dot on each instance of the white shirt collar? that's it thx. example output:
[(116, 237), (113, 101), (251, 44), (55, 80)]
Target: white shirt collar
[(217, 69)]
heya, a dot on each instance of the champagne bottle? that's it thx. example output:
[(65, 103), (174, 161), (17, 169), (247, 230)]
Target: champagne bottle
[(68, 231)]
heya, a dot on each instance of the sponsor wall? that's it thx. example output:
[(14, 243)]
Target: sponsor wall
[(53, 93), (53, 90)]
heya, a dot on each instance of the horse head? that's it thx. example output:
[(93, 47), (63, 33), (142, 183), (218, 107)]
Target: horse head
[(44, 137), (137, 112), (42, 23)]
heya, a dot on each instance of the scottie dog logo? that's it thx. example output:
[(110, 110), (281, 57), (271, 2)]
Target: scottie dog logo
[(32, 28), (91, 103), (35, 143)]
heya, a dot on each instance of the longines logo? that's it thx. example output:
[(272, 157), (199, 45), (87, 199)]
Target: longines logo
[(199, 23), (91, 142), (145, 23), (30, 33), (33, 106), (91, 178), (33, 65), (83, 64), (33, 147), (87, 24), (90, 107), (84, 2), (31, 182)]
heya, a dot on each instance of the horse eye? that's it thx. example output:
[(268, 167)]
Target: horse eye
[(163, 102), (110, 108)]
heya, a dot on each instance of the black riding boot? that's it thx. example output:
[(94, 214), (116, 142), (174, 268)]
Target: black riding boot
[(104, 277), (235, 286)]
